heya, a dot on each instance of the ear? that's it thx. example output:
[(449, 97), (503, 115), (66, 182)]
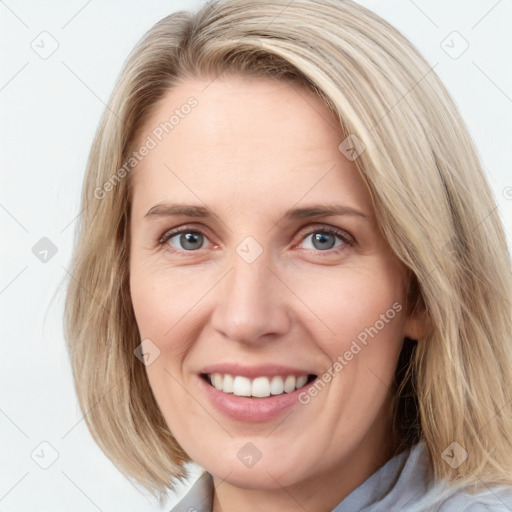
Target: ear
[(417, 324)]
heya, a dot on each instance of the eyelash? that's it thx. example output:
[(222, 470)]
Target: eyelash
[(347, 239)]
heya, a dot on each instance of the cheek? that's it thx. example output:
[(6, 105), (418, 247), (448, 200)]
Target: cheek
[(169, 310), (163, 307), (163, 299), (350, 302), (158, 309)]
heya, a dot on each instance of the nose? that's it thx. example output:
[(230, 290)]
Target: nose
[(251, 303)]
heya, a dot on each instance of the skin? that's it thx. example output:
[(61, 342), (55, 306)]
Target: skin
[(252, 149)]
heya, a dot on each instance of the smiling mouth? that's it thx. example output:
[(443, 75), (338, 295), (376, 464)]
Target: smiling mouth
[(259, 387)]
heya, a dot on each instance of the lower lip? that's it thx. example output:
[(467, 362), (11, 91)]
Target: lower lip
[(247, 408)]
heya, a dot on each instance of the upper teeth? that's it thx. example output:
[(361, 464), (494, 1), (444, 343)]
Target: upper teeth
[(259, 387)]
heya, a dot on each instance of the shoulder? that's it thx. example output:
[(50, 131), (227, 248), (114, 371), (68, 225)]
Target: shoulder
[(199, 497), (498, 499), (443, 498), (416, 491)]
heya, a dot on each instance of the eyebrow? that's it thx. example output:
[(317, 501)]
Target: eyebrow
[(317, 210)]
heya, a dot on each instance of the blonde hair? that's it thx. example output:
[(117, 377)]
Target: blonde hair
[(429, 192)]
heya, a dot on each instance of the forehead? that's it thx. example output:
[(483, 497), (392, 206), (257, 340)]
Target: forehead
[(244, 138)]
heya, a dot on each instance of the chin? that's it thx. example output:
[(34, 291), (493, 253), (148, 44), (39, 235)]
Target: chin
[(262, 476)]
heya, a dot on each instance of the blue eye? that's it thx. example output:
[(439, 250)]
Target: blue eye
[(326, 238), (187, 240), (323, 239)]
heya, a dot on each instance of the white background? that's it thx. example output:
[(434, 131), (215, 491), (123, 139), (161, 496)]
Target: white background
[(49, 110)]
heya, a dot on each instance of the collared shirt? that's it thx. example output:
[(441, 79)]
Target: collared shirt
[(401, 485)]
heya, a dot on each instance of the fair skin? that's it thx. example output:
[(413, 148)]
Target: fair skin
[(251, 150)]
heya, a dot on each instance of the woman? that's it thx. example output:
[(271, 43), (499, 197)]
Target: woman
[(290, 270)]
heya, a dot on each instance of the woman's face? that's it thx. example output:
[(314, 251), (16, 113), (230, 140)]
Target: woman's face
[(256, 262)]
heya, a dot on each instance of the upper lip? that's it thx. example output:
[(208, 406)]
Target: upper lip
[(262, 370)]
